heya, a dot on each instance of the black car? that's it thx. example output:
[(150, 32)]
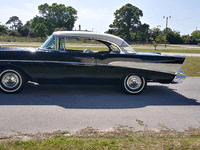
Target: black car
[(55, 62)]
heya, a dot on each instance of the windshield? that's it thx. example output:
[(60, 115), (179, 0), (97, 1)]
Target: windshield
[(127, 48), (50, 43)]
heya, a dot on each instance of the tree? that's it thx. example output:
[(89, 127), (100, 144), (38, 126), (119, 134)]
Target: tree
[(160, 38), (40, 30), (3, 29), (196, 35), (127, 19), (57, 16), (187, 39), (156, 36), (26, 29), (38, 23), (155, 32), (174, 37), (14, 33), (15, 22), (143, 32), (35, 21), (61, 29)]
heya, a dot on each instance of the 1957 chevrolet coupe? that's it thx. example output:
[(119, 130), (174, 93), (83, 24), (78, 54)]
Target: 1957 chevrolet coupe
[(56, 63)]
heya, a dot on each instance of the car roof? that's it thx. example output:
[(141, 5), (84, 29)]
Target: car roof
[(97, 36)]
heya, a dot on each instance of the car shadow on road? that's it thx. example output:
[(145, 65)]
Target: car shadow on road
[(95, 97)]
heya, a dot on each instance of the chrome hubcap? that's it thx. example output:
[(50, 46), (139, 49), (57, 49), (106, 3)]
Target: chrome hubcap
[(10, 80), (134, 82)]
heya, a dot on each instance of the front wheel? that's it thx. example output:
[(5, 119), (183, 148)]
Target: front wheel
[(11, 81), (134, 84)]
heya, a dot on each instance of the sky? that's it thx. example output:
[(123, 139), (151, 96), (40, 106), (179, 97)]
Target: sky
[(97, 15)]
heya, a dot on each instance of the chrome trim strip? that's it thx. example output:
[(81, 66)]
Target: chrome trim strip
[(41, 61), (21, 60)]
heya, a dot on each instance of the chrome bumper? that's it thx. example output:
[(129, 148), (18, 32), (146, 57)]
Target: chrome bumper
[(179, 77)]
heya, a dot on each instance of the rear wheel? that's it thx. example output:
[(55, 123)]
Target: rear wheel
[(134, 84), (11, 81)]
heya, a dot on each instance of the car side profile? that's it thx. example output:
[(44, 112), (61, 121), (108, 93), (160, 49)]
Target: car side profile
[(58, 61)]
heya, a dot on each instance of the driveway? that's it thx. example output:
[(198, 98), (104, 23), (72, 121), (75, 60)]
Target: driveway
[(69, 108)]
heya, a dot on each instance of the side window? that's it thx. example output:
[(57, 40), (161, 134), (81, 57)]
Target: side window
[(50, 44), (80, 44), (115, 49), (127, 48), (61, 44)]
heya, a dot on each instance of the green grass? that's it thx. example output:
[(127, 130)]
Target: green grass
[(191, 66), (20, 44), (112, 143), (168, 49), (121, 137), (7, 38)]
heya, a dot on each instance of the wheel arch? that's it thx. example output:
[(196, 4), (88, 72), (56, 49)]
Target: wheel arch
[(27, 76), (149, 75)]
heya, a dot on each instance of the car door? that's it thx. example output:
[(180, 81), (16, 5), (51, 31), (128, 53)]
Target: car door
[(69, 67)]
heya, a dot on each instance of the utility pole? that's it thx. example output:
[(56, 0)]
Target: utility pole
[(79, 27), (166, 28)]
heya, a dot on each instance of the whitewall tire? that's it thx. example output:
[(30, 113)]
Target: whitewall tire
[(11, 81), (134, 84)]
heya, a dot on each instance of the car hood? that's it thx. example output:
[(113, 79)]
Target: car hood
[(29, 49)]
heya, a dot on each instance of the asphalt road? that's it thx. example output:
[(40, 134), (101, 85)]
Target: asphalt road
[(69, 108)]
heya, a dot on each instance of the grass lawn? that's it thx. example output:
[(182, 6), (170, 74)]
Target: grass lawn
[(87, 143), (20, 44), (191, 66), (168, 49), (91, 139)]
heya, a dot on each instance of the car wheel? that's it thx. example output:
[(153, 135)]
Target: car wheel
[(134, 84), (11, 81)]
